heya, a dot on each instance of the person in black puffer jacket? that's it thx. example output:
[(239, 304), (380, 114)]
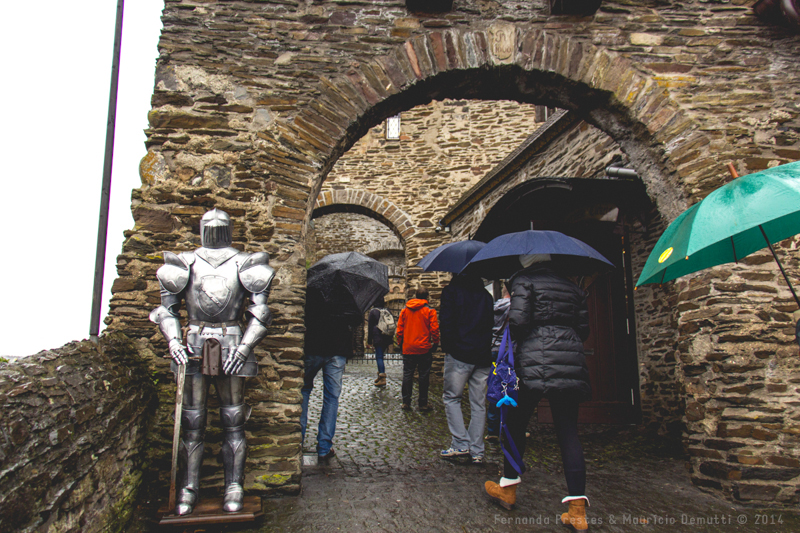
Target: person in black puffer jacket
[(549, 321)]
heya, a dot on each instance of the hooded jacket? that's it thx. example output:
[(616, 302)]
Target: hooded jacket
[(466, 321), (417, 327), (549, 321), (500, 309)]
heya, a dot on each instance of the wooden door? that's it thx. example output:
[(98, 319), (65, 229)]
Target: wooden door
[(610, 350)]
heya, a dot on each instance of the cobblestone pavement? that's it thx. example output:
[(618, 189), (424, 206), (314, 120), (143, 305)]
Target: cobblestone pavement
[(387, 476)]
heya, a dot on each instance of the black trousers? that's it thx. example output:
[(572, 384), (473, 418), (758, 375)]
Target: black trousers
[(565, 419), (411, 363)]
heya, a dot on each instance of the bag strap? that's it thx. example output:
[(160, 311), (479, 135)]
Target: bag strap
[(503, 327), (512, 456), (506, 347)]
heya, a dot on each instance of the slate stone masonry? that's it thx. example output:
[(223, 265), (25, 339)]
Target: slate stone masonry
[(73, 429)]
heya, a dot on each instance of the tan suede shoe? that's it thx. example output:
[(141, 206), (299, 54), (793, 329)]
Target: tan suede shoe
[(505, 496), (575, 518)]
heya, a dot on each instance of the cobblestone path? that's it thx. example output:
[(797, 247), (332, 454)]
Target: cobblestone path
[(387, 476), (373, 435)]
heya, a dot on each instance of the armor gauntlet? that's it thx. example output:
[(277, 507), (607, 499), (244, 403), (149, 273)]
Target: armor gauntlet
[(170, 327)]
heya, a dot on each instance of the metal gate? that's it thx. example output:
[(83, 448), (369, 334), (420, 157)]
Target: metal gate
[(360, 339)]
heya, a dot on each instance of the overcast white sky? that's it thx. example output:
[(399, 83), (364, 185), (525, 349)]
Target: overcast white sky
[(57, 72)]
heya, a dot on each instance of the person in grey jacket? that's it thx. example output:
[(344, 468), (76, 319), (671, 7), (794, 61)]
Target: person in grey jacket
[(501, 307), (549, 322)]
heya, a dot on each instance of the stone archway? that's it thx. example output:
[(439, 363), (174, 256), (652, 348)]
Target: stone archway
[(371, 205), (293, 151), (254, 123), (535, 66), (383, 212)]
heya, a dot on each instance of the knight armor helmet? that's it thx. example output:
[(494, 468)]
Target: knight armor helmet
[(215, 229)]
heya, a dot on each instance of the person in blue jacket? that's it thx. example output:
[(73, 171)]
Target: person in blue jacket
[(465, 327)]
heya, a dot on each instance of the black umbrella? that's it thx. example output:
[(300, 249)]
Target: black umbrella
[(347, 283)]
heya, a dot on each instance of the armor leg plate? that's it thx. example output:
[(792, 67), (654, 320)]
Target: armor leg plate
[(234, 453), (191, 454)]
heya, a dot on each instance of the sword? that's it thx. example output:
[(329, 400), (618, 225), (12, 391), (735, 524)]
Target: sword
[(176, 437)]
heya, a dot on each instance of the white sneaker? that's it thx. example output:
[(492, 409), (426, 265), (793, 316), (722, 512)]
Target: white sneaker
[(453, 452)]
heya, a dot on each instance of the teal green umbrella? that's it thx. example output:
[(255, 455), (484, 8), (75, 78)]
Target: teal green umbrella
[(739, 218)]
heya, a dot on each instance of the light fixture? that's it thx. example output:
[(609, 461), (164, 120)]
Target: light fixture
[(393, 128)]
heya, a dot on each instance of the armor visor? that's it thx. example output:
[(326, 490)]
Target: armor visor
[(215, 229)]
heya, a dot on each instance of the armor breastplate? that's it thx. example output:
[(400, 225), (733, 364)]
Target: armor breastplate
[(214, 292)]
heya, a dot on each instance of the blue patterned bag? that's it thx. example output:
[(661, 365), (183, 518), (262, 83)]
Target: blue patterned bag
[(503, 388), (503, 384)]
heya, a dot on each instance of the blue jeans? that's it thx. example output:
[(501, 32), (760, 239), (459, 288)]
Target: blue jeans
[(456, 375), (493, 419), (379, 358), (332, 371)]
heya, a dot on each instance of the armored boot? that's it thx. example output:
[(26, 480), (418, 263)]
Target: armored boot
[(191, 455), (234, 453)]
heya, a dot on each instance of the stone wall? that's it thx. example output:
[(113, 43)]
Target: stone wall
[(73, 426), (256, 101), (582, 151), (660, 378), (444, 148), (741, 370), (347, 232)]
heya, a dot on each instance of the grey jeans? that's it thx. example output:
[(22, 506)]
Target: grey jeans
[(456, 376)]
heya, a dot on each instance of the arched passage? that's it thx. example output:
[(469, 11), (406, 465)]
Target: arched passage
[(390, 251), (265, 159), (366, 203), (507, 62)]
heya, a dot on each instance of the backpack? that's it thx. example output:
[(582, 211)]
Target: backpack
[(386, 323)]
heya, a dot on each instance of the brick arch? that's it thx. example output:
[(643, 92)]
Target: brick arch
[(528, 65), (368, 204)]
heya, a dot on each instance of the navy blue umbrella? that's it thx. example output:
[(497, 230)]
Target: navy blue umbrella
[(450, 257), (499, 259)]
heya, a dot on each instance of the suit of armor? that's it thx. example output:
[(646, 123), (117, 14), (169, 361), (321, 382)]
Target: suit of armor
[(214, 282)]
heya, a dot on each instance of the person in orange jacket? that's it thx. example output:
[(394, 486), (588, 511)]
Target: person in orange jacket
[(418, 336)]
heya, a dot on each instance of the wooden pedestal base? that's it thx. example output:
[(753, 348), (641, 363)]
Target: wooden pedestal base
[(209, 511)]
